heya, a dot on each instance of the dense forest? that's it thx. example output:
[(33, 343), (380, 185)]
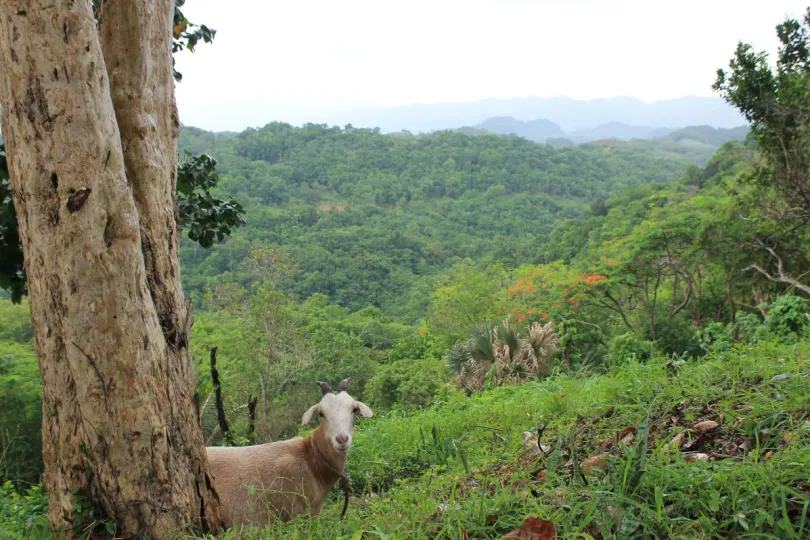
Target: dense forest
[(372, 219), (594, 305)]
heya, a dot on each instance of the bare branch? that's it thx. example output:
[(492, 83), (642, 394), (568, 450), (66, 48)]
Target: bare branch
[(617, 308), (687, 295)]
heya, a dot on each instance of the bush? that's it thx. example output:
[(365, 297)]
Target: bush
[(627, 348), (23, 515), (407, 384), (717, 337), (413, 374), (788, 317), (678, 338)]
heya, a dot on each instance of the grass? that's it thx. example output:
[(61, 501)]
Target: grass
[(455, 471), (460, 470)]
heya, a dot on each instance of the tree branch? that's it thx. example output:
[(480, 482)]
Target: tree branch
[(780, 268), (687, 295), (618, 309)]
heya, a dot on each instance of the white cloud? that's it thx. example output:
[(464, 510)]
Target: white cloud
[(296, 59)]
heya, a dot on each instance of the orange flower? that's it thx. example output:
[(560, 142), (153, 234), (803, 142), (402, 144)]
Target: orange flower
[(532, 311), (521, 317), (595, 278), (544, 315), (422, 331), (530, 287)]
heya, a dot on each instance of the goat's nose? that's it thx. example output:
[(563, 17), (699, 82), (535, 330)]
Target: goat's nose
[(342, 438)]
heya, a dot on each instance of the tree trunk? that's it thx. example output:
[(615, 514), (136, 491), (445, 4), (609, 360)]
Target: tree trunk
[(120, 428), (251, 431), (732, 310), (264, 432), (222, 421)]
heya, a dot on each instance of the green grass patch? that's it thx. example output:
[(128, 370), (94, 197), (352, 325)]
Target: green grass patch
[(455, 471)]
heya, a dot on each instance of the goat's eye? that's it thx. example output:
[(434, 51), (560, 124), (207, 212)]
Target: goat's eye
[(321, 414), (356, 410)]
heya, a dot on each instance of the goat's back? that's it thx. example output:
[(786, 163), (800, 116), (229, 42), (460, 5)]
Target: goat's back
[(259, 483)]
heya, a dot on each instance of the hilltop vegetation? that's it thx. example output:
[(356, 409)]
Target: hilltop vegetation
[(695, 143), (372, 219)]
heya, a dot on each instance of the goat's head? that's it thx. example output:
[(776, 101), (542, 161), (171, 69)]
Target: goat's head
[(337, 412)]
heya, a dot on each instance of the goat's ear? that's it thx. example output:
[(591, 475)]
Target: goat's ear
[(308, 415), (363, 409)]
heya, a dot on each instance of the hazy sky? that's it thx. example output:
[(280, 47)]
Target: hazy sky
[(295, 60)]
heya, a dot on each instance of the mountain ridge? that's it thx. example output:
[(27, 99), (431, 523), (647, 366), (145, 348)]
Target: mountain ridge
[(570, 114)]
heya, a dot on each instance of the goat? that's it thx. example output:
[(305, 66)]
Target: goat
[(261, 483)]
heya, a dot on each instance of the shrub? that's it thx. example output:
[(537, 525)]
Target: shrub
[(788, 317), (407, 384), (23, 515), (501, 355), (628, 347), (413, 374)]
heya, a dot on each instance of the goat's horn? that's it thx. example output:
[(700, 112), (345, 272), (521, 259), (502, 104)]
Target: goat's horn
[(325, 388), (344, 385)]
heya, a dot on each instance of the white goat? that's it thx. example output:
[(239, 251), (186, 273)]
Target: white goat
[(261, 483)]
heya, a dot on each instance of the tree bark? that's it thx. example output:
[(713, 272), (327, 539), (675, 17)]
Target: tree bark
[(120, 428), (136, 40)]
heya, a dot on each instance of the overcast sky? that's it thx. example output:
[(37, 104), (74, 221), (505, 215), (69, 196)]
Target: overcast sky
[(296, 60)]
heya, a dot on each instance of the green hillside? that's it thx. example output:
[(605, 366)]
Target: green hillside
[(371, 219)]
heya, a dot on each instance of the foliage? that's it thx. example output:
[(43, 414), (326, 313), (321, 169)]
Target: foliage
[(501, 355), (23, 516), (20, 399), (467, 298), (775, 101), (789, 317), (204, 215), (413, 376), (407, 384), (374, 219), (186, 35), (628, 347)]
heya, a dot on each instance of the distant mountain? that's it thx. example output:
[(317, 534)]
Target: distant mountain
[(695, 143), (546, 131), (569, 114), (709, 135), (535, 130), (618, 130)]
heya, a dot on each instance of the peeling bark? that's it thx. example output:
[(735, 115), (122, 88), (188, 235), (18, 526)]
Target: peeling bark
[(119, 399)]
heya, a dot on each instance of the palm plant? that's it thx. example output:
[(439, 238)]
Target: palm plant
[(501, 355)]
